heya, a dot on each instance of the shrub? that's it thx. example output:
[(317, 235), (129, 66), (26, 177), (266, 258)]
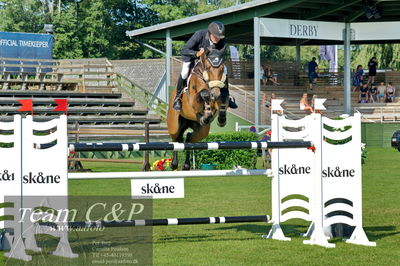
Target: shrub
[(227, 159)]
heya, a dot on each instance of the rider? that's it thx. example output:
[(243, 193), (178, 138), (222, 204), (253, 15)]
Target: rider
[(193, 49)]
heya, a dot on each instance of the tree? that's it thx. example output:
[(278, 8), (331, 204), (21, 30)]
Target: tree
[(23, 16), (67, 43)]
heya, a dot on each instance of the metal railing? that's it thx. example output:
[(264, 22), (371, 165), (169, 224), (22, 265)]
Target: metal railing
[(383, 114), (143, 96)]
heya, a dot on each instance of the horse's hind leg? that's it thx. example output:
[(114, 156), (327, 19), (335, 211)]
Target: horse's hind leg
[(186, 165), (178, 138), (175, 159), (197, 135)]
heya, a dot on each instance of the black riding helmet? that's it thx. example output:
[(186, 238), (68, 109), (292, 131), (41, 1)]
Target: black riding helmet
[(217, 29)]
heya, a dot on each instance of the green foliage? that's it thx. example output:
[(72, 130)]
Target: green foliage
[(23, 16), (67, 40), (96, 28), (387, 55), (227, 159)]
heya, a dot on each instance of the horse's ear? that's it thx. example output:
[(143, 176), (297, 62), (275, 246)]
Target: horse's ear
[(223, 49)]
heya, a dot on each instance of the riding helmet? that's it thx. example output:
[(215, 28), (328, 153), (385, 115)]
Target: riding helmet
[(217, 29)]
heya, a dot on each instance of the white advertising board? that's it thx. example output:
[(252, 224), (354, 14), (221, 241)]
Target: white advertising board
[(158, 188), (301, 29)]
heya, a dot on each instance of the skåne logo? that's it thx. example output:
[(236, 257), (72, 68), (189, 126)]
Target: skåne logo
[(157, 189), (5, 176), (40, 179), (337, 172), (294, 170)]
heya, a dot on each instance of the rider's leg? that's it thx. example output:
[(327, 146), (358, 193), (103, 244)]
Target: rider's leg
[(181, 83), (225, 92)]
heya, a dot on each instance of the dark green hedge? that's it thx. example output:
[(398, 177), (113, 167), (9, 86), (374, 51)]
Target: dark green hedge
[(227, 159)]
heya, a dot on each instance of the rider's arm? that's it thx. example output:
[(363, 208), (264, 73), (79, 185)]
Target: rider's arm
[(191, 46)]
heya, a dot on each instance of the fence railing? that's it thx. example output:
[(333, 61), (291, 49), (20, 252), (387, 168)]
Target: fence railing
[(143, 96), (382, 114)]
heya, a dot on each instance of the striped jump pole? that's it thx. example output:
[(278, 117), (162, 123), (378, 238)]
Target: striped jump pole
[(169, 221), (175, 146), (171, 174)]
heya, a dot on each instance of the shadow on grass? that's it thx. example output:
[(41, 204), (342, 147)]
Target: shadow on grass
[(290, 230), (379, 232)]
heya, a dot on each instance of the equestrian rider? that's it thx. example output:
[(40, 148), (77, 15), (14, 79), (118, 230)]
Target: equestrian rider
[(193, 49)]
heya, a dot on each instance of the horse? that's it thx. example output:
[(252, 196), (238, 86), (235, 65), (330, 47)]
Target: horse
[(202, 101)]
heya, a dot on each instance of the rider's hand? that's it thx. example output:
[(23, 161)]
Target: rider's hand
[(200, 52)]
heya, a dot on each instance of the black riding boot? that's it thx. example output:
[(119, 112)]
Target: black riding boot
[(178, 101), (225, 92), (232, 103)]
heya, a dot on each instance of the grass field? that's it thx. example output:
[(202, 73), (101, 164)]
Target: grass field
[(242, 244)]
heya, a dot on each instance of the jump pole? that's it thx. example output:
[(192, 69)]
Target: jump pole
[(170, 174), (175, 146), (169, 221)]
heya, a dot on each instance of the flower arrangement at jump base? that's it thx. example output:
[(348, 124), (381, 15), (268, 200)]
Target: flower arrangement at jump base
[(161, 165)]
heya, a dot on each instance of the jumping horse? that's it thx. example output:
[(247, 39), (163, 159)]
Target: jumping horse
[(202, 101)]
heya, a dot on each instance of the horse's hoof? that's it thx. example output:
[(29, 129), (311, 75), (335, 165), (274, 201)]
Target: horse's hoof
[(221, 122), (186, 167), (174, 166)]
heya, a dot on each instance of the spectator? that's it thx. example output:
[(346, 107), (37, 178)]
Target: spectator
[(373, 93), (372, 64), (270, 76), (358, 77), (390, 93), (363, 96), (313, 104), (382, 91), (312, 72), (304, 104), (268, 104), (263, 77)]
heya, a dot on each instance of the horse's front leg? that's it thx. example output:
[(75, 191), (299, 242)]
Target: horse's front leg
[(223, 106), (205, 119), (205, 97), (175, 161)]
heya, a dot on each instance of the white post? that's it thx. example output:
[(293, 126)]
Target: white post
[(317, 236), (168, 61), (257, 65), (347, 70), (276, 230)]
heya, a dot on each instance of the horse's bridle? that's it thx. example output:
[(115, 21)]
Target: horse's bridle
[(203, 74)]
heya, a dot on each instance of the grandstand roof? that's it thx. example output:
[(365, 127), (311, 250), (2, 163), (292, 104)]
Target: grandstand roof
[(239, 19)]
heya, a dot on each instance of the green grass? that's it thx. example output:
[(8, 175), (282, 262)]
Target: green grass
[(231, 120), (242, 244)]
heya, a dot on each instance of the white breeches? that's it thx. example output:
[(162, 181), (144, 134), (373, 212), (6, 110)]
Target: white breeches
[(185, 70), (186, 67)]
